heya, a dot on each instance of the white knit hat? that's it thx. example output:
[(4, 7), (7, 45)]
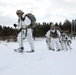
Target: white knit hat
[(19, 11), (52, 24)]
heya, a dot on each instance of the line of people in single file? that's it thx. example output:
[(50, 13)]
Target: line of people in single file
[(57, 41)]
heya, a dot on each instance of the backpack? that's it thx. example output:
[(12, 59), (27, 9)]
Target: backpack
[(33, 20)]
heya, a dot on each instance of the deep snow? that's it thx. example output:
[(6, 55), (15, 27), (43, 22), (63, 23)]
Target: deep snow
[(41, 62)]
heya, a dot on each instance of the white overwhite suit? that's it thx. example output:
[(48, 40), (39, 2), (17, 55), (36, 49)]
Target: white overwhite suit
[(55, 41), (54, 44), (65, 41), (24, 24)]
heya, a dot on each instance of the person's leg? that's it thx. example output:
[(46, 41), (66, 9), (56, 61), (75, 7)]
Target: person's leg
[(20, 42), (57, 44), (30, 39), (52, 44), (66, 46), (61, 45), (69, 44), (48, 40)]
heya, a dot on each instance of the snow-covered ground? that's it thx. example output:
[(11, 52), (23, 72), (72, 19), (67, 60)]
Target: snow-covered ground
[(41, 62)]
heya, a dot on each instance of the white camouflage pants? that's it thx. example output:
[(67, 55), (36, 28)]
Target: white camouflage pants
[(48, 40), (64, 45), (29, 38), (55, 43)]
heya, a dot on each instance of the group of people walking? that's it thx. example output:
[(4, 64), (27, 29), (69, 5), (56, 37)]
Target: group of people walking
[(54, 39)]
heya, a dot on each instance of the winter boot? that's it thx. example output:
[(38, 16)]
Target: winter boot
[(58, 50), (50, 48), (20, 50)]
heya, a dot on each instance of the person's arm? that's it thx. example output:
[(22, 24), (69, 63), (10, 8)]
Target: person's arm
[(58, 32), (47, 34)]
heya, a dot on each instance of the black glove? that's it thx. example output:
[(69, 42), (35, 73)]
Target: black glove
[(15, 25), (60, 41), (19, 30)]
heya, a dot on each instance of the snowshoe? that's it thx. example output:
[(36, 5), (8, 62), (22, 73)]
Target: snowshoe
[(30, 51), (20, 50)]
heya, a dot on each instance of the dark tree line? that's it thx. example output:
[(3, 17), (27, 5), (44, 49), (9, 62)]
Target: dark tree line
[(6, 31), (40, 29)]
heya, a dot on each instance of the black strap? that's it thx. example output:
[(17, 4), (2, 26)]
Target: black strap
[(26, 32)]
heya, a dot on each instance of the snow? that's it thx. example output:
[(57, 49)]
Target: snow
[(41, 62)]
